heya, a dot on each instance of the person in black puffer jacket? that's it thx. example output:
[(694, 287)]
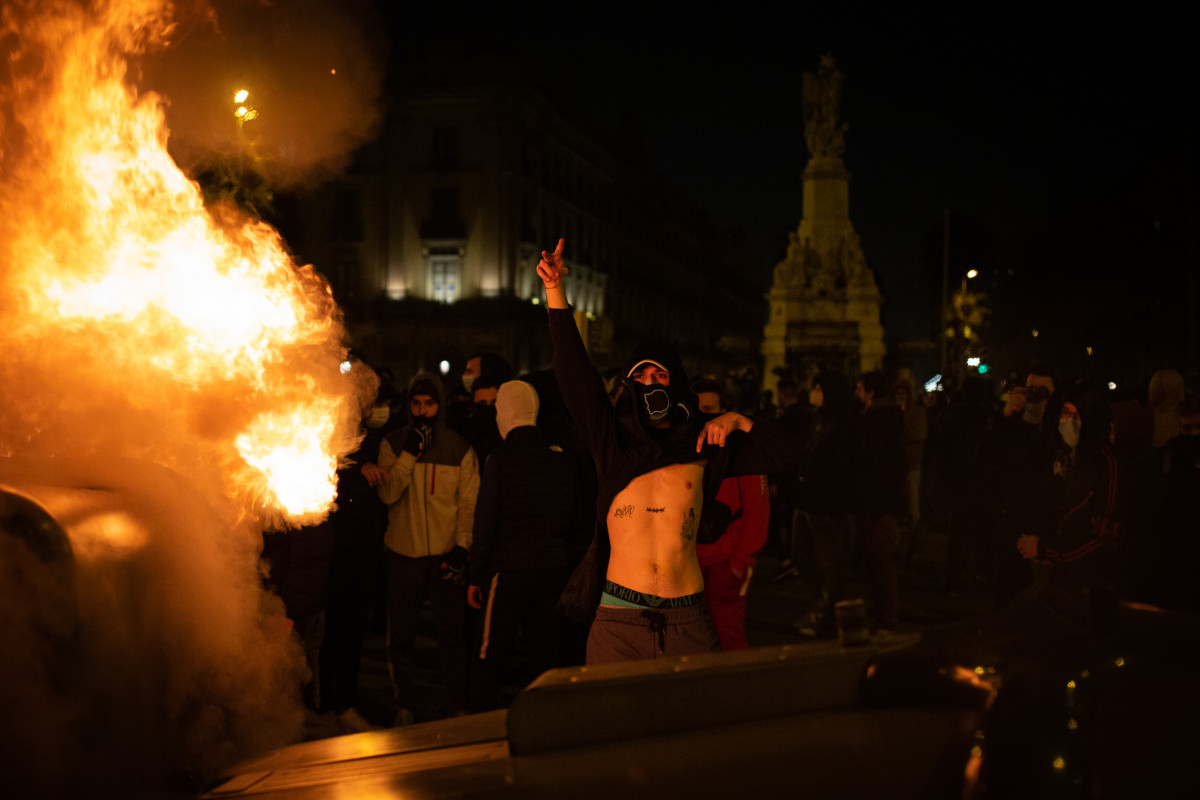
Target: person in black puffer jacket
[(527, 507)]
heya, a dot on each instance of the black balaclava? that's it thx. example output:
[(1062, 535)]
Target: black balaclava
[(654, 403)]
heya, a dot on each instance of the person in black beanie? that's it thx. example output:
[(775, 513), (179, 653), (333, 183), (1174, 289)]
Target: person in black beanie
[(432, 482)]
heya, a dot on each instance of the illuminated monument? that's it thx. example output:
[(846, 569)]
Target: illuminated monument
[(824, 302)]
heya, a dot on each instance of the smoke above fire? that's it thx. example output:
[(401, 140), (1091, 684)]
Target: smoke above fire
[(311, 71), (173, 385)]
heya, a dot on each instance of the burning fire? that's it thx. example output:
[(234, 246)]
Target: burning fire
[(120, 287)]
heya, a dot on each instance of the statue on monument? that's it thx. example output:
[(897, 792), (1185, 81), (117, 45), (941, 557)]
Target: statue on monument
[(822, 92)]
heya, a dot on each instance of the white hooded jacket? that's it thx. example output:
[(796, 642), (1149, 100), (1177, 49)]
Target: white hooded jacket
[(430, 499)]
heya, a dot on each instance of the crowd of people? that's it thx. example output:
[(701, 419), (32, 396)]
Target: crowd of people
[(1056, 491), (562, 518)]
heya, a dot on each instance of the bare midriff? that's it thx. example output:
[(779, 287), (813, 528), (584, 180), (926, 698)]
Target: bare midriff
[(652, 526)]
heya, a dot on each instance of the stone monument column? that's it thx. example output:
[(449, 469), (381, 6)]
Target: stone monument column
[(824, 301)]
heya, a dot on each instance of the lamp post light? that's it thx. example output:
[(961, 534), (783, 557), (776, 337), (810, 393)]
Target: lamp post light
[(243, 112), (961, 330)]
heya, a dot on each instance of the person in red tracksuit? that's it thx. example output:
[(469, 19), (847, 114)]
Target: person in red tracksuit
[(728, 563)]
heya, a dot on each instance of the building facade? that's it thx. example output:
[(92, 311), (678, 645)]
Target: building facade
[(431, 241)]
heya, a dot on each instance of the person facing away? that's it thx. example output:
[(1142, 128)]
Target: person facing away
[(881, 484), (1011, 481), (827, 496), (657, 461), (432, 481), (728, 563), (916, 429), (1162, 551), (965, 428), (525, 514)]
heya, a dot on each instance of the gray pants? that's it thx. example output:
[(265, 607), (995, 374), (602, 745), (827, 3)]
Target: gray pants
[(632, 634)]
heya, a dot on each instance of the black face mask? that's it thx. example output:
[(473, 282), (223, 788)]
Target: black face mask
[(652, 402)]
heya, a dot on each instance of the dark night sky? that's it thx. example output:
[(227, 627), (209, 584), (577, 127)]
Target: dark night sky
[(1063, 145)]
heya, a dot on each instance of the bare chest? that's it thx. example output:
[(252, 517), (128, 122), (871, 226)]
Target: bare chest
[(668, 494)]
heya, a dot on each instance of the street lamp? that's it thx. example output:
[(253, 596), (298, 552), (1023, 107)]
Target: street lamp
[(243, 112), (961, 329)]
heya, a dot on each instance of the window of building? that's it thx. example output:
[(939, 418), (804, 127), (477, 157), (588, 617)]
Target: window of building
[(445, 276), (444, 271)]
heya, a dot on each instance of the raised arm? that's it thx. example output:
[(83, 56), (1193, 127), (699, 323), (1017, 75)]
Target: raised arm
[(551, 271), (399, 471), (582, 387)]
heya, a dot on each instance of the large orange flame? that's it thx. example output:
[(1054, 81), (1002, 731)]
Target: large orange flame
[(137, 307)]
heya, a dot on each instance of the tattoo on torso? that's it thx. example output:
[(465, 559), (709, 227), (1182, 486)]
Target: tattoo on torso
[(621, 512), (689, 525), (656, 510)]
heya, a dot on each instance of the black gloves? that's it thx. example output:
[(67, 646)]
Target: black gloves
[(454, 566), (418, 438)]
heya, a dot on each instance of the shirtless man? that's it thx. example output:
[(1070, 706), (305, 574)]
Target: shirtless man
[(657, 459)]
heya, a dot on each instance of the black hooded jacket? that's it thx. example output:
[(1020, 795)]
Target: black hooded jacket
[(832, 452)]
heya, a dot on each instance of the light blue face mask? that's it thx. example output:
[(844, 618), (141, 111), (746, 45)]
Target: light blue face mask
[(1068, 429)]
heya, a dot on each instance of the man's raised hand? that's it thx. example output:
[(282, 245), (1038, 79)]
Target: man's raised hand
[(550, 269)]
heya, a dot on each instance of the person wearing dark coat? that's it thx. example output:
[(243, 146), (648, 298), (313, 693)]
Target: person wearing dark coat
[(1010, 482), (881, 483), (960, 469), (1162, 550), (526, 511), (1082, 544), (356, 576), (828, 476)]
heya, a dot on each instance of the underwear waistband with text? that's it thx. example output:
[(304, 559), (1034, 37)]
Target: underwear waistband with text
[(617, 595)]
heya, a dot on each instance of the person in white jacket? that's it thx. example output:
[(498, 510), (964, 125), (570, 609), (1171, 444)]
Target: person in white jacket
[(433, 478)]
